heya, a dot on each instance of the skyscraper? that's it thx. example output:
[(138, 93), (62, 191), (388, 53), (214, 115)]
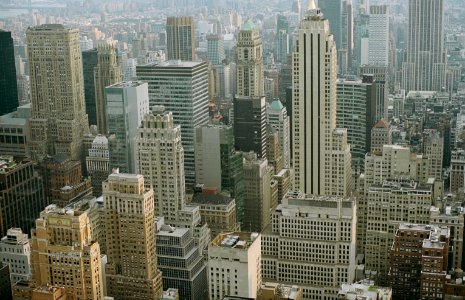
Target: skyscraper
[(59, 119), (8, 84), (127, 103), (424, 69), (89, 62), (98, 163), (316, 141), (250, 62), (218, 164), (65, 254), (106, 73), (180, 35), (378, 39), (160, 158), (278, 119), (131, 228), (215, 49), (16, 251), (182, 88)]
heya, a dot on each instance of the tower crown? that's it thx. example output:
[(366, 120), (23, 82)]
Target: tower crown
[(312, 10)]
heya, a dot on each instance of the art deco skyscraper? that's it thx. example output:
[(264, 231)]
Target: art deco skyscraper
[(131, 270), (65, 254), (8, 84), (424, 69), (180, 35), (321, 154), (249, 62), (106, 73), (59, 119)]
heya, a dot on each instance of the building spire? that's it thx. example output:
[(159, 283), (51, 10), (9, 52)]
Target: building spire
[(311, 5), (312, 9)]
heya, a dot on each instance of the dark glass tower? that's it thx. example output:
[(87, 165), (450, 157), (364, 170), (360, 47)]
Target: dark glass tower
[(89, 62), (8, 85)]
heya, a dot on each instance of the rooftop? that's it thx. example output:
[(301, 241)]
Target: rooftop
[(124, 84), (214, 199), (236, 240)]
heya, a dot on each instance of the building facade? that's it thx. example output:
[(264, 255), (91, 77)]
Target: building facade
[(98, 163), (8, 84), (59, 119), (15, 251), (180, 38), (89, 62)]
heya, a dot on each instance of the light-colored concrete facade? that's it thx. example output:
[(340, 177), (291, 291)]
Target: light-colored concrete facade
[(250, 76), (314, 110), (234, 265), (65, 254), (59, 120), (378, 31), (16, 252), (278, 119), (311, 243), (130, 221)]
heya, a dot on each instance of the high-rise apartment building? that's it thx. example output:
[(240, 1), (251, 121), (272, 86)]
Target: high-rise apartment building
[(89, 62), (380, 135), (278, 119), (182, 87), (106, 73), (218, 164), (127, 103), (181, 262), (16, 252), (98, 163), (257, 193), (59, 119), (390, 203), (250, 78), (314, 135), (425, 65), (131, 232), (65, 254), (378, 35), (215, 49), (418, 259), (356, 112), (311, 243), (21, 200), (180, 38), (8, 84), (234, 265), (250, 124), (160, 158)]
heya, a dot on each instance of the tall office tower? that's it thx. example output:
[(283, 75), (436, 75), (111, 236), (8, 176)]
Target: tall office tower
[(63, 180), (160, 158), (378, 39), (130, 224), (314, 111), (389, 203), (278, 119), (433, 146), (218, 164), (302, 238), (106, 73), (181, 263), (457, 171), (424, 68), (347, 35), (282, 46), (249, 62), (21, 200), (65, 254), (8, 84), (257, 193), (380, 135), (215, 49), (89, 63), (419, 257), (16, 252), (127, 103), (180, 38), (234, 265), (59, 119), (381, 79), (98, 163), (5, 283), (187, 82), (250, 124), (356, 112)]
